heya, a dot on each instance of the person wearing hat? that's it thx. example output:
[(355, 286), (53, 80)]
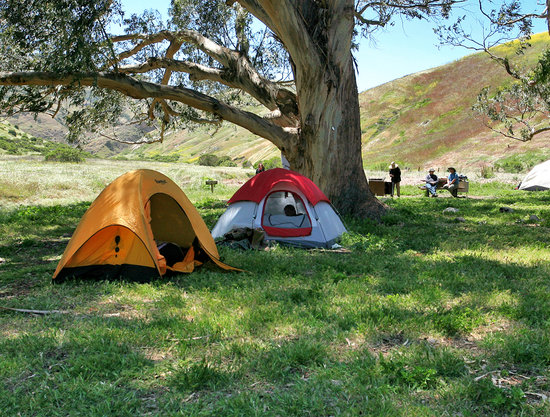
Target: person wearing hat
[(452, 182), (431, 182), (395, 176)]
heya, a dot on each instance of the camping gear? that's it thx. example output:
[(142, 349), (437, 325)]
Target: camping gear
[(261, 203), (244, 238), (379, 187), (140, 226), (538, 179)]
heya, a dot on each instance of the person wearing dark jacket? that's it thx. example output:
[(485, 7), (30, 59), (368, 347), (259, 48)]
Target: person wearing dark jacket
[(395, 177), (431, 182), (260, 168)]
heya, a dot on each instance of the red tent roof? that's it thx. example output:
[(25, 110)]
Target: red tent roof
[(259, 185)]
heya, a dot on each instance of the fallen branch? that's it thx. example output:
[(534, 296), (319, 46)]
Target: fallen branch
[(35, 312), (541, 397)]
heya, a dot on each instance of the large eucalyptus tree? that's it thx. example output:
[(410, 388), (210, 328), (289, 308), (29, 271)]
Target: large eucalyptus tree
[(294, 57)]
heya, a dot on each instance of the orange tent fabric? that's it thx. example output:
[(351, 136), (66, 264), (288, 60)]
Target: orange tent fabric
[(118, 234)]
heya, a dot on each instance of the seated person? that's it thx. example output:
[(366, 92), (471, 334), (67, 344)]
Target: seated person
[(290, 210), (452, 182), (431, 182), (290, 218)]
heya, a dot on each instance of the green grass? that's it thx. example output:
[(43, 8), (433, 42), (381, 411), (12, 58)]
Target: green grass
[(424, 316)]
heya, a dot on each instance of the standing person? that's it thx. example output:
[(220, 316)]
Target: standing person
[(452, 182), (395, 176), (260, 168), (431, 182), (284, 161)]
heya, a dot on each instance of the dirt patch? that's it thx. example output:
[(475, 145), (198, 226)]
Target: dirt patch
[(233, 182), (17, 289)]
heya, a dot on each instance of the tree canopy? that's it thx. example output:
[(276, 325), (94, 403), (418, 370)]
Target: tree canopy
[(90, 61), (206, 50)]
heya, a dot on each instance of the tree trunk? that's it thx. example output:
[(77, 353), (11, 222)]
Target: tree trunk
[(328, 149), (322, 135)]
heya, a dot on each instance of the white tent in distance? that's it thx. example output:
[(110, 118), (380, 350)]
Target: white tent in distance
[(538, 178)]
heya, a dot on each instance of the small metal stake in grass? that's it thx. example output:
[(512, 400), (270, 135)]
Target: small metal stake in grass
[(211, 183)]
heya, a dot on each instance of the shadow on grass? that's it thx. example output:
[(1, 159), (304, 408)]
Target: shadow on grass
[(283, 323)]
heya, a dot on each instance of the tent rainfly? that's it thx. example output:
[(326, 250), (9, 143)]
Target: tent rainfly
[(538, 178), (288, 206), (140, 226)]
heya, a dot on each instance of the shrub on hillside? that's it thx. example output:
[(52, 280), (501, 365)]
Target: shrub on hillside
[(225, 161), (241, 161), (208, 160), (274, 162), (211, 160), (166, 158), (65, 154), (520, 162), (9, 146)]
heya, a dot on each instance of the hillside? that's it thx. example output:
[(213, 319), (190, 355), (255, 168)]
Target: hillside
[(45, 127), (15, 141), (418, 120), (188, 145), (426, 118)]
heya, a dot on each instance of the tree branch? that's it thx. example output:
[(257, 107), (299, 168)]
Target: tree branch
[(535, 132), (505, 63), (290, 27), (238, 72), (196, 71), (521, 18), (130, 142), (209, 47), (409, 4), (369, 22), (175, 45), (269, 94), (141, 90)]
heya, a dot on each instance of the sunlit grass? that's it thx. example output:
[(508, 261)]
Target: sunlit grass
[(29, 181), (423, 315)]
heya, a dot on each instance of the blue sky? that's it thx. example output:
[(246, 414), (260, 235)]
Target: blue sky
[(405, 48), (412, 46)]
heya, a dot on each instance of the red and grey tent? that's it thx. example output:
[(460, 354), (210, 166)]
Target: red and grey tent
[(261, 202)]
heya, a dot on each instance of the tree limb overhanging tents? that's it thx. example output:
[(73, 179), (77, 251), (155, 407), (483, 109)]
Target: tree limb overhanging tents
[(196, 67)]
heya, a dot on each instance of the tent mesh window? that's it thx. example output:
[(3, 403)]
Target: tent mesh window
[(274, 211)]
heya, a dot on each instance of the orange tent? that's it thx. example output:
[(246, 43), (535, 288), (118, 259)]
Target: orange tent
[(121, 232)]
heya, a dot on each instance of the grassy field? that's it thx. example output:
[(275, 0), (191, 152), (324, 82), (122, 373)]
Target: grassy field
[(425, 314)]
